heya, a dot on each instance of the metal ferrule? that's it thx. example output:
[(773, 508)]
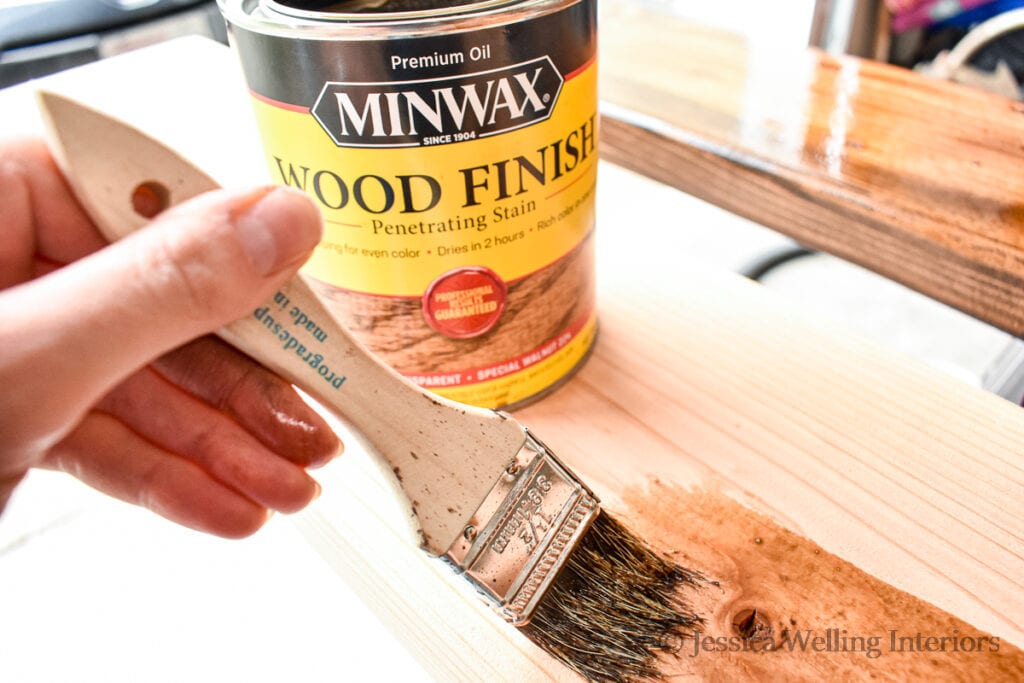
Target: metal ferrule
[(524, 531)]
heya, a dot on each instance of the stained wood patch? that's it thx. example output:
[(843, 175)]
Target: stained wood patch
[(778, 606), (915, 178)]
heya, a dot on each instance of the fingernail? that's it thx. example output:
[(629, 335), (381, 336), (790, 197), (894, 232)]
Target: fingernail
[(278, 226), (326, 458), (317, 491)]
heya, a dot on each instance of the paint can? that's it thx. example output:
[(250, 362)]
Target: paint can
[(453, 153)]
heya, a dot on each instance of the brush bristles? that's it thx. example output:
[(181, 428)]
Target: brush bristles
[(614, 607)]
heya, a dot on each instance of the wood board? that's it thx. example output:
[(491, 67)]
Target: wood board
[(835, 488), (917, 179)]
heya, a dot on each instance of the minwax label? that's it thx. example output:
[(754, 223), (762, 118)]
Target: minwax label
[(456, 173)]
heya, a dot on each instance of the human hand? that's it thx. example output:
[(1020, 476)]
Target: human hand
[(105, 372)]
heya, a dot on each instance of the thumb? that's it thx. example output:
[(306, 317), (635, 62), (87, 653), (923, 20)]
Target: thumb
[(80, 330)]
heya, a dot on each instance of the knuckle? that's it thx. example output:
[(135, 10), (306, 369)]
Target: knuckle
[(209, 443), (189, 286)]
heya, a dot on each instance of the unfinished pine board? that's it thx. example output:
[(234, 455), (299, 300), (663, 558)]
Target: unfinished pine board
[(917, 179), (839, 491), (823, 486)]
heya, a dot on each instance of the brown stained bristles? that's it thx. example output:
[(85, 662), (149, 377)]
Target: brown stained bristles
[(615, 607)]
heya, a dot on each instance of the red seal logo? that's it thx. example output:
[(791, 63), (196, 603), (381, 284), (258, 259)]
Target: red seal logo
[(465, 302)]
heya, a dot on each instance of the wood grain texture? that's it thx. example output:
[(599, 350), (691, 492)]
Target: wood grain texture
[(917, 179), (711, 417), (538, 308), (780, 603), (697, 376), (710, 414)]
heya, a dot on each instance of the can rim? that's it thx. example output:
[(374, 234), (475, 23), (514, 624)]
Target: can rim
[(278, 8), (272, 17)]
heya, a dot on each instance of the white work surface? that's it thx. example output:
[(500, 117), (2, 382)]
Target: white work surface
[(94, 590)]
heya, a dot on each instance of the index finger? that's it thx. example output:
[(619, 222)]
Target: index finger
[(263, 403)]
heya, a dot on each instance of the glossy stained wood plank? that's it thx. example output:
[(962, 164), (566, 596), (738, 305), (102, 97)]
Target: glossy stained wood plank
[(919, 180)]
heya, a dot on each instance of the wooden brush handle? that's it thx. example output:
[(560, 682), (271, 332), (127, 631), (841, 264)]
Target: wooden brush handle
[(445, 455)]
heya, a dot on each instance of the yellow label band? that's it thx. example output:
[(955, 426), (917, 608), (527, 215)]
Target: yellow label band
[(513, 203)]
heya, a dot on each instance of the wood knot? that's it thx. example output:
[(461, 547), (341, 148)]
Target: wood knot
[(753, 626)]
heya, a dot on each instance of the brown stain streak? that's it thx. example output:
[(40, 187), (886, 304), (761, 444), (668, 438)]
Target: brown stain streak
[(796, 587), (769, 427)]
